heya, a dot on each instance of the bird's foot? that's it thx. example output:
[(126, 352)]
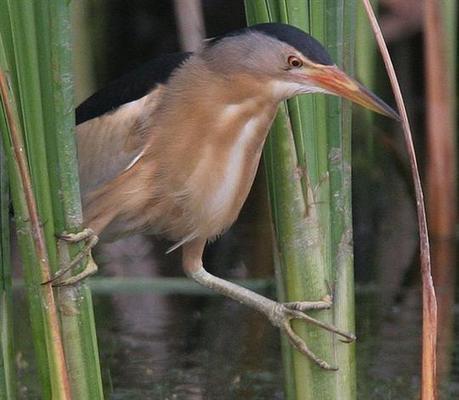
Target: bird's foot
[(89, 269), (283, 314), (90, 238), (280, 314), (87, 234)]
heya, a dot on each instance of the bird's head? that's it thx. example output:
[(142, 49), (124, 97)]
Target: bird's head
[(290, 61)]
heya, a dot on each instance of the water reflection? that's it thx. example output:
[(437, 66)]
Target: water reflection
[(186, 347), (196, 347), (206, 347)]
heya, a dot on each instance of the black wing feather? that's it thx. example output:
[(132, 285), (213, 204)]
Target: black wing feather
[(130, 87)]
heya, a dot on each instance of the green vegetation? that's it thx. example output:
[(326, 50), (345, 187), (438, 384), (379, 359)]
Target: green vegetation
[(307, 160), (37, 124)]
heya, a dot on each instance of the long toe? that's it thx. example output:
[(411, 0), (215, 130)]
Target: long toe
[(283, 314), (90, 268), (324, 304), (300, 345), (348, 337), (60, 278), (83, 235)]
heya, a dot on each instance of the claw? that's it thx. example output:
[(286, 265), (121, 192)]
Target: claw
[(301, 346), (90, 268), (283, 314)]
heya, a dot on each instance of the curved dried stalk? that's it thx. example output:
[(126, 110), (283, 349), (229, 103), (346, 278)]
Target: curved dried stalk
[(429, 302)]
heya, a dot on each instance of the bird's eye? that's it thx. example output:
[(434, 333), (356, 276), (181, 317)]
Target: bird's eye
[(295, 62)]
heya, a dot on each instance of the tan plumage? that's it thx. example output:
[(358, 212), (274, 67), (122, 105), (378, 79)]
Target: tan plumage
[(107, 144), (179, 162), (157, 194)]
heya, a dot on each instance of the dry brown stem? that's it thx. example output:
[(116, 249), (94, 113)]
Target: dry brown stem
[(429, 302)]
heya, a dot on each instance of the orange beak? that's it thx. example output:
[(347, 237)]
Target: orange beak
[(336, 82)]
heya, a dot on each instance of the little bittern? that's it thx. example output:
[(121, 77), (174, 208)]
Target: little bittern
[(172, 148)]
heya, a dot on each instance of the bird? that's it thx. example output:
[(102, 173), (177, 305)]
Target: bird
[(172, 148)]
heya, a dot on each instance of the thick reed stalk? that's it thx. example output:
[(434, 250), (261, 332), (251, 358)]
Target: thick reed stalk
[(307, 159), (341, 44), (80, 341), (33, 249), (7, 362), (37, 51)]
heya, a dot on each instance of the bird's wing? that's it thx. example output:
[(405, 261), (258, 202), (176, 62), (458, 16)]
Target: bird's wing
[(109, 123), (131, 86)]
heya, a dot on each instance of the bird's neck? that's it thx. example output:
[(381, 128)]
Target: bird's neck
[(222, 103), (219, 127)]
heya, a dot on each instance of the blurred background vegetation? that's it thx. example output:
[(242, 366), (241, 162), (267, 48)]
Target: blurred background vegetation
[(163, 344)]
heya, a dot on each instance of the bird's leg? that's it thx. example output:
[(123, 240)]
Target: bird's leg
[(87, 235), (279, 314)]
